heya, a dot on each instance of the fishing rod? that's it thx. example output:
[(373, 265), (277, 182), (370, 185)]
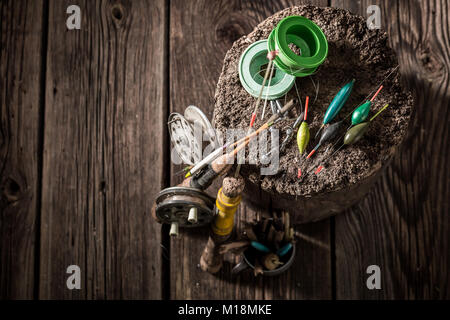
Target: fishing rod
[(219, 151), (271, 55)]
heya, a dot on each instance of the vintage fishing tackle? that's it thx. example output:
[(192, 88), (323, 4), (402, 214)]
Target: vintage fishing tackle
[(307, 36), (252, 62), (182, 135), (361, 113), (355, 133), (303, 137), (271, 55), (185, 139), (187, 205), (290, 131), (352, 136), (183, 206), (216, 153), (336, 104), (284, 249), (303, 131), (271, 261), (328, 134), (289, 134), (259, 246)]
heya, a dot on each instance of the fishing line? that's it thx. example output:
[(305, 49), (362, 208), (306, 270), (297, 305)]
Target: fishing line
[(298, 94), (353, 136), (379, 85), (252, 120), (316, 88), (268, 88)]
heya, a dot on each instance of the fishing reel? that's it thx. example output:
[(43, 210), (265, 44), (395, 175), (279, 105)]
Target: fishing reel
[(187, 205), (184, 207)]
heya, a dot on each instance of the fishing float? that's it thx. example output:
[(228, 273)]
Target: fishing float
[(336, 104)]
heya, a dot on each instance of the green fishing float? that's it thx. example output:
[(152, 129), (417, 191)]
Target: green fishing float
[(303, 137), (361, 113), (336, 104), (307, 36), (303, 131), (355, 134)]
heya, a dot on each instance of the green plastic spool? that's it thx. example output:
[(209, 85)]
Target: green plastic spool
[(307, 36), (251, 73)]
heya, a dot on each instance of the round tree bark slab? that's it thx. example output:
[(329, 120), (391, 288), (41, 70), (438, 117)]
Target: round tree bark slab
[(355, 52)]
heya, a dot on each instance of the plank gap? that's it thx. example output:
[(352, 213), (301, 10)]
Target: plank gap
[(165, 238), (42, 90)]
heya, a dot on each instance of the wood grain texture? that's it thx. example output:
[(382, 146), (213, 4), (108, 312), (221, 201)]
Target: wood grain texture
[(402, 226), (20, 75), (104, 156), (200, 34), (103, 150)]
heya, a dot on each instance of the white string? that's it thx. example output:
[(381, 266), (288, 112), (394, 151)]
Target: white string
[(267, 92)]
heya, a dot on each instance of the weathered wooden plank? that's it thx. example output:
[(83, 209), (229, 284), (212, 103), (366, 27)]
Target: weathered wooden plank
[(103, 150), (20, 106), (200, 34), (403, 225)]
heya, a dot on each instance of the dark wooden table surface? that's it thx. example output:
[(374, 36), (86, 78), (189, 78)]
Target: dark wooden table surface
[(84, 149)]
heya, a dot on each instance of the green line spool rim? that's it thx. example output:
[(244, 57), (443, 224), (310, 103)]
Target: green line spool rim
[(286, 32), (252, 59)]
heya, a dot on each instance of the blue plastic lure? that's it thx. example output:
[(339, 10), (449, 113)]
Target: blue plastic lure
[(259, 246), (284, 249)]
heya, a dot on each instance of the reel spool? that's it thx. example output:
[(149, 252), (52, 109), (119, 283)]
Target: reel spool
[(182, 132), (307, 36), (251, 74), (184, 207)]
